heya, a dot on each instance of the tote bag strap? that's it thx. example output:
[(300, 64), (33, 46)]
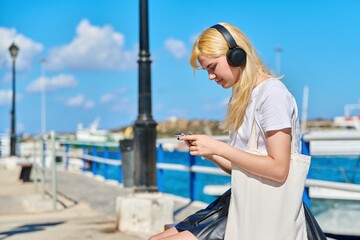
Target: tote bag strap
[(252, 143)]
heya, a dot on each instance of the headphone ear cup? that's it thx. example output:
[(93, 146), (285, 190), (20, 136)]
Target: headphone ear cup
[(236, 57)]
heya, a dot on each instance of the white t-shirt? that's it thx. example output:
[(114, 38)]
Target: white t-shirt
[(274, 111)]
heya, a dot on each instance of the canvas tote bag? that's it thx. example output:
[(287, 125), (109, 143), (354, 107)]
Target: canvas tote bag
[(268, 209)]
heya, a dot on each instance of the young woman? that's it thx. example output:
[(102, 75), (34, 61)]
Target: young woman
[(259, 101)]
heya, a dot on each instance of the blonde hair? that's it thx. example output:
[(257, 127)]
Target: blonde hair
[(212, 44)]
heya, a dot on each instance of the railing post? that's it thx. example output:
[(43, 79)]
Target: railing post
[(192, 177), (106, 155), (53, 170), (84, 160), (119, 157), (305, 149), (160, 172), (94, 165), (67, 152)]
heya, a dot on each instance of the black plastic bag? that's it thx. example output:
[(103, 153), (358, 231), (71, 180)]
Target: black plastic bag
[(208, 223), (313, 229)]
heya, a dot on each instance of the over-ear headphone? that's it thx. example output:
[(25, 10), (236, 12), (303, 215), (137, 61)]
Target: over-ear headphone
[(236, 56)]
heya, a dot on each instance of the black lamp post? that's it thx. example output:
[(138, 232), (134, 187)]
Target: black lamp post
[(145, 126), (13, 49)]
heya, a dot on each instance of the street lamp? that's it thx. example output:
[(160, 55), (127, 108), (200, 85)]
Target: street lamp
[(145, 125), (13, 49)]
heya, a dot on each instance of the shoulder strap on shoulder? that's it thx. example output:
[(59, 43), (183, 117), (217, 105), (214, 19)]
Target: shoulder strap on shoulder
[(252, 143)]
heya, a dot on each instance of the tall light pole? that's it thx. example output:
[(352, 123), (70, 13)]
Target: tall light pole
[(304, 109), (43, 97), (13, 49), (145, 126), (278, 50)]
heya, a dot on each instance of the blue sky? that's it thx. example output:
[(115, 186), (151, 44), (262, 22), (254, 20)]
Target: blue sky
[(91, 52)]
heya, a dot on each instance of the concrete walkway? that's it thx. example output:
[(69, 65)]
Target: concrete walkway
[(85, 208)]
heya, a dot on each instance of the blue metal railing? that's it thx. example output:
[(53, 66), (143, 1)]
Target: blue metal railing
[(100, 159), (105, 160)]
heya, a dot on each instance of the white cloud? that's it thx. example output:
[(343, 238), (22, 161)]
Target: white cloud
[(5, 97), (80, 101), (112, 96), (106, 98), (28, 49), (176, 47), (124, 105), (61, 81), (76, 101), (89, 104), (93, 48)]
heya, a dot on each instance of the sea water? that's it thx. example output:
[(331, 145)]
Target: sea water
[(343, 169)]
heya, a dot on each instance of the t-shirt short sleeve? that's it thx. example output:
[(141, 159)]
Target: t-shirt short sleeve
[(276, 108)]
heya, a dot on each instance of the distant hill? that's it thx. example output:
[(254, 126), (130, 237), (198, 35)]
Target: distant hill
[(171, 126)]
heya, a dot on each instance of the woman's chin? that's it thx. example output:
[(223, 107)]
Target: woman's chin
[(225, 86)]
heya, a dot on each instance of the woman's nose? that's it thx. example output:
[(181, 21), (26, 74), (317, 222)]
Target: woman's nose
[(212, 76)]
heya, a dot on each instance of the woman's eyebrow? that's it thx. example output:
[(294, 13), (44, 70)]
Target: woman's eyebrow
[(207, 67)]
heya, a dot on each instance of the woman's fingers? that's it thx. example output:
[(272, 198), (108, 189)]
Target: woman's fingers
[(198, 144), (188, 143), (189, 138), (193, 148)]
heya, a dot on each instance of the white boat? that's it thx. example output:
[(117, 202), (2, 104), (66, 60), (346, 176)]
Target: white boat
[(349, 120), (352, 122), (92, 133), (4, 145)]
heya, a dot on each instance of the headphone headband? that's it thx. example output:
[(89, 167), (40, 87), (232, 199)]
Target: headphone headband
[(227, 35), (236, 56)]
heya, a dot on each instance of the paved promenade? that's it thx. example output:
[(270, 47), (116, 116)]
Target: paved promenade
[(85, 208)]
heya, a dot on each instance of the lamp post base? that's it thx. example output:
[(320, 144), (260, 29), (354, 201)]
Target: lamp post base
[(145, 156), (144, 213)]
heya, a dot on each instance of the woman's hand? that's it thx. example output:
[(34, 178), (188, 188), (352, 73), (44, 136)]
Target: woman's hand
[(202, 145), (209, 148)]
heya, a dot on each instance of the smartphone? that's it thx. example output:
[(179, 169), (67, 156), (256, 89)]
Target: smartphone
[(179, 134)]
